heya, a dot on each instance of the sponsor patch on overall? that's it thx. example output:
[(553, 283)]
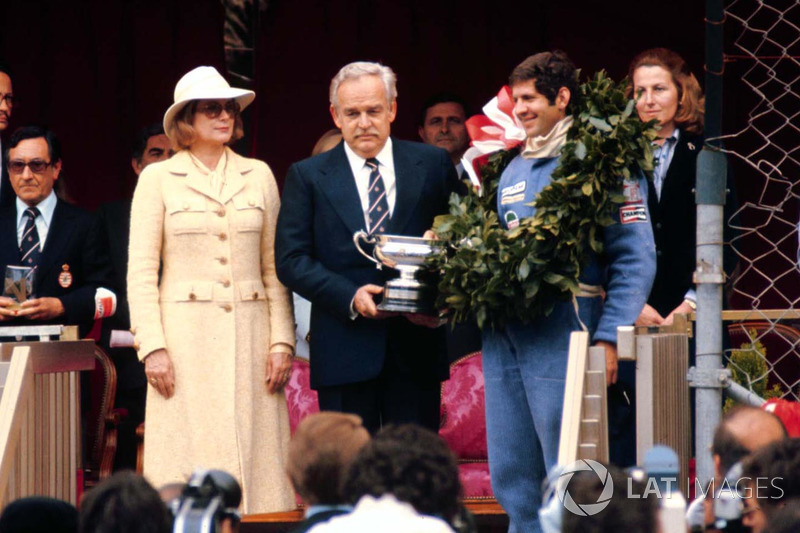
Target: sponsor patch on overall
[(632, 192), (512, 220), (513, 193), (630, 214)]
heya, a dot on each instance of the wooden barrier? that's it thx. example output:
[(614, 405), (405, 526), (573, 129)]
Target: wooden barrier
[(40, 425)]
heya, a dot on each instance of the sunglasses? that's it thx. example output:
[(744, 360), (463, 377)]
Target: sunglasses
[(37, 166), (214, 109)]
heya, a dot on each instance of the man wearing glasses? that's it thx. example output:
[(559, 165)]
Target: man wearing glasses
[(6, 106), (45, 233)]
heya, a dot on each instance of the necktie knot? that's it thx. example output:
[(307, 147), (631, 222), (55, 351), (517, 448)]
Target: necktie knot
[(373, 163), (32, 212)]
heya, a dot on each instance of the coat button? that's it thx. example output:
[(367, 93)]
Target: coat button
[(658, 225), (223, 236), (251, 203), (221, 212), (133, 330), (227, 308), (223, 260), (226, 283), (255, 296), (185, 207), (192, 296), (136, 346)]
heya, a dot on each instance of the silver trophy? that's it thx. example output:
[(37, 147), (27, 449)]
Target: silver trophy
[(413, 291)]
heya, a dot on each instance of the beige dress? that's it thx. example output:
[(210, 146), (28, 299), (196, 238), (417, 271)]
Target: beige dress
[(218, 311)]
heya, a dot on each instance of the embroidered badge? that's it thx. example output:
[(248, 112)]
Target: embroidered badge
[(632, 192), (630, 214), (514, 189), (512, 220), (65, 278), (512, 199)]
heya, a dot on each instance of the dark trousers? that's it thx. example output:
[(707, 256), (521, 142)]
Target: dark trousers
[(393, 397)]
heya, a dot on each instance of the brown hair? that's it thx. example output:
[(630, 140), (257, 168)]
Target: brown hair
[(691, 102), (182, 134), (322, 449), (549, 71)]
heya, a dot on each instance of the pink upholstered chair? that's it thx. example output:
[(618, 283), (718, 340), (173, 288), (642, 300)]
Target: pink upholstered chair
[(302, 401), (463, 424)]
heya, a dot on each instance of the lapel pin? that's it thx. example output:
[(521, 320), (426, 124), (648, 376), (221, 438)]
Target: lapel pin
[(65, 278)]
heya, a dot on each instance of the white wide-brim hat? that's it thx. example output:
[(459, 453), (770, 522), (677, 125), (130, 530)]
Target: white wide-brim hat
[(204, 83)]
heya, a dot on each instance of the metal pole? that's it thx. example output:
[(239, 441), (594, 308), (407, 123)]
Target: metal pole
[(708, 377)]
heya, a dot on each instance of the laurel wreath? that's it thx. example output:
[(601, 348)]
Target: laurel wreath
[(494, 275)]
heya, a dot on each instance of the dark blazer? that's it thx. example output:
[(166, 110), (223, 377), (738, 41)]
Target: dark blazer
[(67, 248), (111, 230), (315, 257), (6, 191), (674, 221)]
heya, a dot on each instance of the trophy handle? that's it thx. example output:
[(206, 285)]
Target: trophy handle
[(362, 235)]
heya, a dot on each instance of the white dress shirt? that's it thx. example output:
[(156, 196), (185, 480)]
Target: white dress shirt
[(361, 172), (46, 208)]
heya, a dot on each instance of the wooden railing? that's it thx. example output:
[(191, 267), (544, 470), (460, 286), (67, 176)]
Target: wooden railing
[(40, 426)]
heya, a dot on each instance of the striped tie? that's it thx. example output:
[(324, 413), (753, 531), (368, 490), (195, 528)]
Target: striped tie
[(29, 250), (378, 212)]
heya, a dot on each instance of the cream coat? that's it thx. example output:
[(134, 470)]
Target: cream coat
[(218, 311)]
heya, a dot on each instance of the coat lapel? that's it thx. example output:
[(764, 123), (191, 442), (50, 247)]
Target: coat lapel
[(409, 181), (681, 164), (58, 237), (181, 165), (237, 168), (337, 183)]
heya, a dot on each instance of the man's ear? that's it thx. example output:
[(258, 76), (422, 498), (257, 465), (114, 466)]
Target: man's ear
[(335, 117), (562, 98), (56, 169), (717, 463), (421, 133), (136, 166)]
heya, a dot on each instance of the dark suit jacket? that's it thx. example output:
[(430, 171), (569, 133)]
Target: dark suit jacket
[(674, 220), (315, 257), (112, 226), (67, 245), (6, 191)]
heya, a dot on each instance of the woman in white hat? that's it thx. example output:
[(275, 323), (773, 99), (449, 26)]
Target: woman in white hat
[(215, 333)]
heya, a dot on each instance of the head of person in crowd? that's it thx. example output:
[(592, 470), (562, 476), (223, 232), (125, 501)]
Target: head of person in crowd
[(363, 98), (786, 519), (631, 515), (666, 91), (206, 110), (743, 430), (542, 87), (33, 157), (38, 514), (414, 465), (772, 479), (124, 503), (150, 146), (6, 95), (328, 141), (443, 123), (320, 454)]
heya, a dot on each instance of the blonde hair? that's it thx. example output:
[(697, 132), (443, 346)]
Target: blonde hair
[(182, 134)]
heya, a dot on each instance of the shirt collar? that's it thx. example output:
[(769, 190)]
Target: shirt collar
[(673, 139), (46, 208), (385, 157)]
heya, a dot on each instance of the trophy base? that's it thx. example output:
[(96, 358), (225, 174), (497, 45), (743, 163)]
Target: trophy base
[(417, 300)]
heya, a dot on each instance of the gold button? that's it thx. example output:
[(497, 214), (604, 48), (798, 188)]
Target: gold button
[(223, 236), (251, 203), (192, 296), (223, 260), (227, 308), (226, 283), (221, 212), (133, 331), (255, 296), (136, 346)]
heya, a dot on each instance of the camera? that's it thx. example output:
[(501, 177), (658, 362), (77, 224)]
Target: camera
[(210, 498)]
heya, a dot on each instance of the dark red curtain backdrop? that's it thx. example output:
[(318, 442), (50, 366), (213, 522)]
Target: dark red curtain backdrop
[(97, 70)]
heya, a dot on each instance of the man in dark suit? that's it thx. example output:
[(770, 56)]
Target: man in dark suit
[(50, 235), (6, 107), (111, 229), (381, 367)]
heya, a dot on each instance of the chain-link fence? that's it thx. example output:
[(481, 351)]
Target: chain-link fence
[(762, 140)]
